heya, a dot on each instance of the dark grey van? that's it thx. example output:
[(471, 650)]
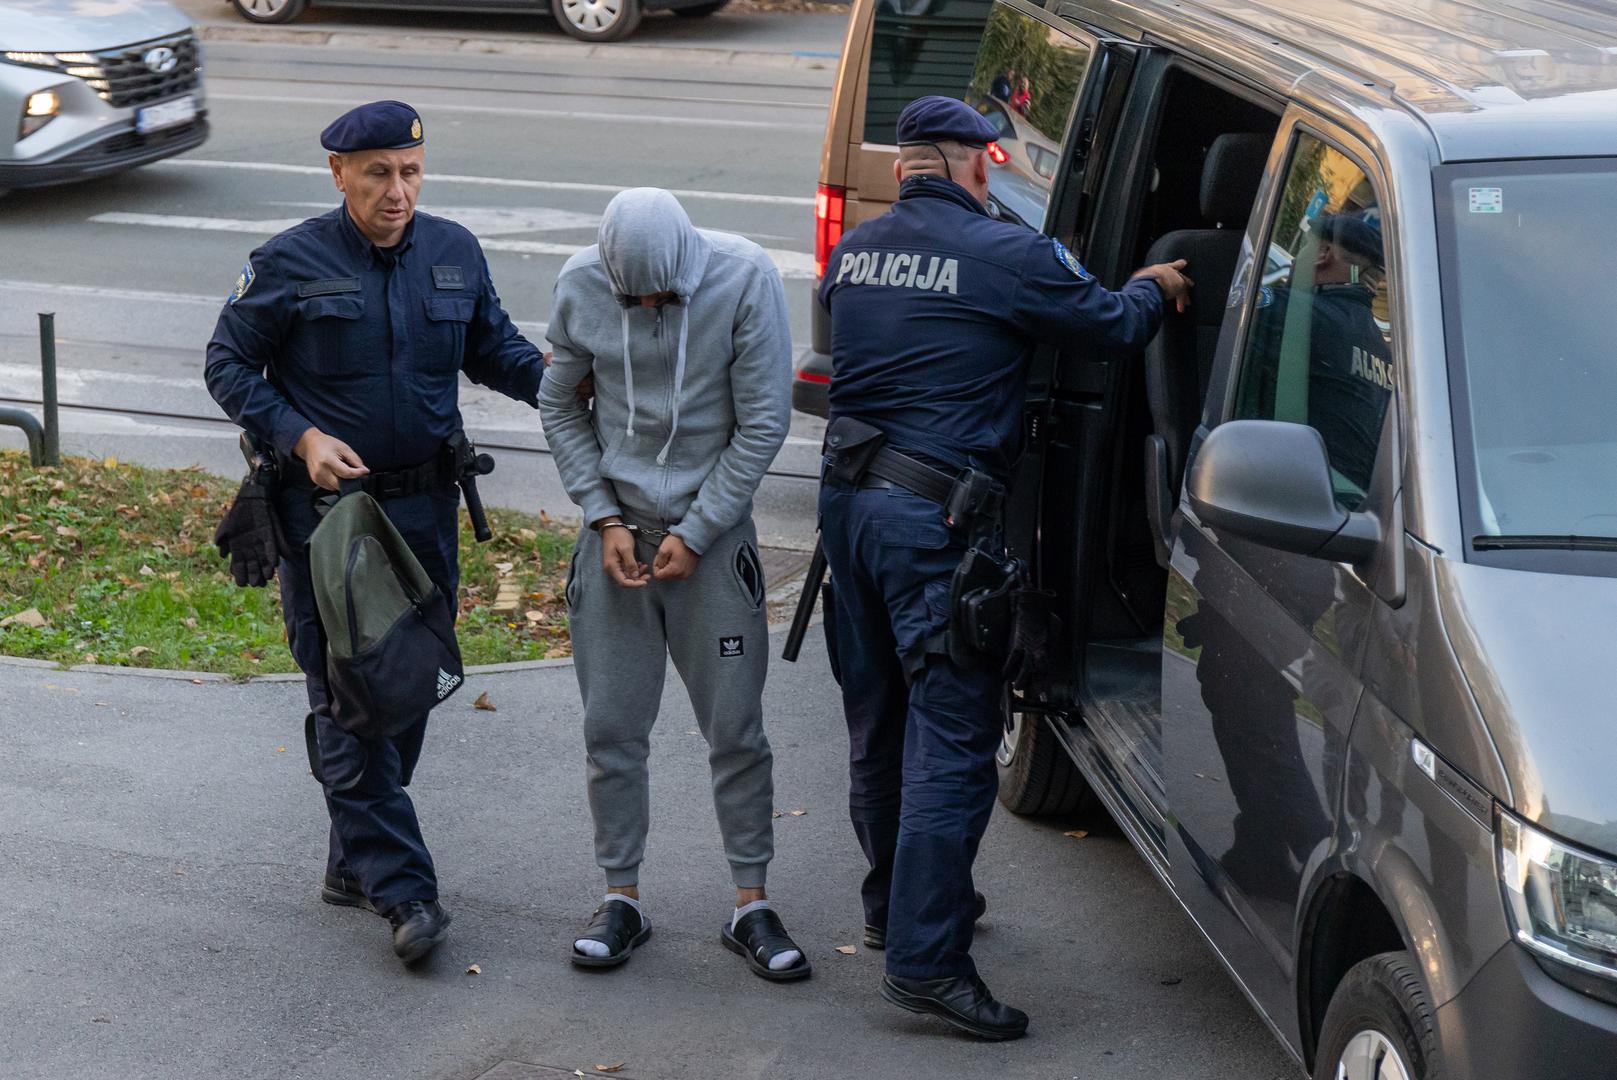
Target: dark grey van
[(1338, 554)]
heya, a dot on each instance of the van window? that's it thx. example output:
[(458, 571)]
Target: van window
[(918, 47), (1026, 82), (1320, 347), (1526, 258)]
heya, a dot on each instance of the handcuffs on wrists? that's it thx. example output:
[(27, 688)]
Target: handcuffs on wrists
[(637, 531)]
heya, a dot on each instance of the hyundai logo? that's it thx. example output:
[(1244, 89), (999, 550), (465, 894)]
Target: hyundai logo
[(161, 60)]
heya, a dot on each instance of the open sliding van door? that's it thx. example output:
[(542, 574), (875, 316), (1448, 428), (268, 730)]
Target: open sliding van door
[(1054, 88)]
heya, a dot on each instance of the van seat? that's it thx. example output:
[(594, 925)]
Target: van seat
[(1179, 360)]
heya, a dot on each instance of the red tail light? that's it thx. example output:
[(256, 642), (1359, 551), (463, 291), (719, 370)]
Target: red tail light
[(829, 204), (997, 154)]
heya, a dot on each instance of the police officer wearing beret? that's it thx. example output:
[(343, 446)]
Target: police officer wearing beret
[(936, 309), (340, 350)]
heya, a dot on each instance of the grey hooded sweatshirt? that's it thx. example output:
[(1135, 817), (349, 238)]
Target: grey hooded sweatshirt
[(692, 399)]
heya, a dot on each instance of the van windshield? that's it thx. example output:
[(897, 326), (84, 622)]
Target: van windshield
[(1530, 262)]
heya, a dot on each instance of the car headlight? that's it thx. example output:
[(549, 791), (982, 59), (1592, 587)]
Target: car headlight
[(1562, 901), (39, 110)]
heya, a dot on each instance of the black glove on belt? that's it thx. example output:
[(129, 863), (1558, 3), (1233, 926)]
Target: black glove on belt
[(250, 534)]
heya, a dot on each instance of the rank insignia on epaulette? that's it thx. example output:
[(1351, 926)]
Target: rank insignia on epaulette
[(1069, 260), (244, 281)]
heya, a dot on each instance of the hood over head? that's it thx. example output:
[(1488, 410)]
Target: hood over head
[(648, 245)]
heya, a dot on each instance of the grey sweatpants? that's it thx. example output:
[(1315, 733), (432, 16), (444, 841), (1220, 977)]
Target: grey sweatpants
[(714, 626)]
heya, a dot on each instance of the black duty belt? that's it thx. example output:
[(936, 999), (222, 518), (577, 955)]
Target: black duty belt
[(434, 473), (899, 468)]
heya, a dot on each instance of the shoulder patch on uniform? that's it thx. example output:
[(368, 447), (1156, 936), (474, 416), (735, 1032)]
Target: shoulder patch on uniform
[(1069, 260), (244, 281), (1266, 296)]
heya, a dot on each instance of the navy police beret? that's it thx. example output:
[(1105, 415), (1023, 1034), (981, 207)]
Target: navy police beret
[(943, 119), (1358, 232), (380, 125)]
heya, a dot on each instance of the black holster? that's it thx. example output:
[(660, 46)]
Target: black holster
[(851, 445)]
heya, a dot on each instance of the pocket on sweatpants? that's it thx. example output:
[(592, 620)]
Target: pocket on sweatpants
[(570, 590), (749, 574)]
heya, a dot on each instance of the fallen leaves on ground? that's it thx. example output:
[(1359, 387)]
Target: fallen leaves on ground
[(484, 703), (28, 617), (847, 950), (1077, 834), (474, 969), (611, 1068), (799, 813)]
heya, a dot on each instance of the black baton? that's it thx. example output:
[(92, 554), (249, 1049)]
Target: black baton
[(805, 604), (468, 466)]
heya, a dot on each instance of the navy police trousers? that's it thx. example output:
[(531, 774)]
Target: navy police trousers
[(922, 775), (375, 838)]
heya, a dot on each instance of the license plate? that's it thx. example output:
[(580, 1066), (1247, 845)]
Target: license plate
[(168, 114)]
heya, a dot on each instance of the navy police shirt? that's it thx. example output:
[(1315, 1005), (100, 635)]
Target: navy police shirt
[(935, 311), (326, 330)]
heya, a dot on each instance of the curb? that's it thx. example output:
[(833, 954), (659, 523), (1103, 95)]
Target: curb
[(213, 677), (801, 60)]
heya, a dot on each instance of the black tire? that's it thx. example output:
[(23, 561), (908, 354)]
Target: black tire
[(597, 21), (1382, 996), (269, 11), (1036, 777), (701, 11)]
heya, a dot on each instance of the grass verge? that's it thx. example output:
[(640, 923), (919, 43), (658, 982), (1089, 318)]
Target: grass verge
[(118, 561)]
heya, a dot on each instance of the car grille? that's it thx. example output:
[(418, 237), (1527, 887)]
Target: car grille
[(124, 76), (129, 141)]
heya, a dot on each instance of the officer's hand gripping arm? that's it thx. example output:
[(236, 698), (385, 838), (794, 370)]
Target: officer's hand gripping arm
[(760, 383)]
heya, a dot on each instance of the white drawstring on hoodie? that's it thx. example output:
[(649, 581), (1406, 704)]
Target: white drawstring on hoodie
[(679, 376)]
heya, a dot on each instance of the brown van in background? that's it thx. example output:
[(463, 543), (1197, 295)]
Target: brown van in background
[(896, 51)]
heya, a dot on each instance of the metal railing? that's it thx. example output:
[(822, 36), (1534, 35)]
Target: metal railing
[(44, 439)]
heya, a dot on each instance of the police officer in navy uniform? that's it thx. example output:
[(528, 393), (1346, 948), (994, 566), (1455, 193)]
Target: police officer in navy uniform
[(341, 349), (936, 309)]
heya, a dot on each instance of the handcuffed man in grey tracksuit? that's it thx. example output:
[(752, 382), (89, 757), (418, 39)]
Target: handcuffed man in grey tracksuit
[(684, 332)]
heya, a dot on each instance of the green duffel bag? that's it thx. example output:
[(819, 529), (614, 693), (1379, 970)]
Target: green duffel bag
[(391, 653)]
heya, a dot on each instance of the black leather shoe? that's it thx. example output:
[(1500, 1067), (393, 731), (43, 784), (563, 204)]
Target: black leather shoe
[(963, 1002), (339, 890), (876, 936), (419, 926)]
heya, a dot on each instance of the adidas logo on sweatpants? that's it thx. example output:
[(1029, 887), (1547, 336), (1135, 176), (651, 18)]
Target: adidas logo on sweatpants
[(730, 646)]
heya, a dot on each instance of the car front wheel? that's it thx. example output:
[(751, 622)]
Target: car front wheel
[(1036, 777), (597, 20), (270, 11), (1379, 1025)]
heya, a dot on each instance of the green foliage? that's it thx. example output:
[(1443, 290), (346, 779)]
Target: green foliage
[(119, 561)]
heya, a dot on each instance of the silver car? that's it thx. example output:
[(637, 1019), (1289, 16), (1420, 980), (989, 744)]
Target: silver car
[(92, 89)]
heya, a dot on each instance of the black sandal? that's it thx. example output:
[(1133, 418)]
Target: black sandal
[(620, 928), (759, 936)]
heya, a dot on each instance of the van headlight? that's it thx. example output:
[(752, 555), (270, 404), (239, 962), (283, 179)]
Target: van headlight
[(1562, 901), (38, 110)]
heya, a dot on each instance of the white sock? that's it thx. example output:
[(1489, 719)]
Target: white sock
[(778, 962), (591, 947)]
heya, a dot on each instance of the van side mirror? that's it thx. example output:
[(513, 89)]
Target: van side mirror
[(1270, 482)]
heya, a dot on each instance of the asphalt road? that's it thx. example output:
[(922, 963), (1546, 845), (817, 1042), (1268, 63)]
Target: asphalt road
[(524, 151), (159, 889)]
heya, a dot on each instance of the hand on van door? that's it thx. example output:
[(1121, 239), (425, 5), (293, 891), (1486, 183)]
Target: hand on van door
[(1172, 280)]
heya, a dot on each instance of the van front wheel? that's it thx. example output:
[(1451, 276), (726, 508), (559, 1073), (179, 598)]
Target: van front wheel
[(1379, 1025), (1036, 777)]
